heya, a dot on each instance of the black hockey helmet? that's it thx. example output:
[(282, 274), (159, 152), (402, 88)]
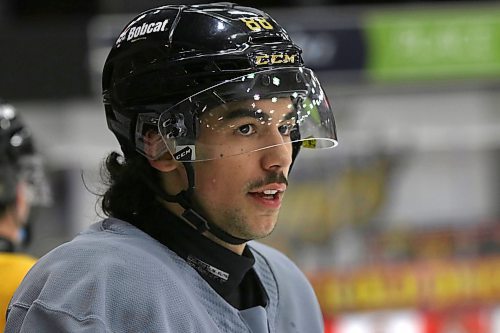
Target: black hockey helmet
[(19, 160), (172, 65)]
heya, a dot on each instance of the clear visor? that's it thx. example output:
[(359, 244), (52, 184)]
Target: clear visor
[(250, 113)]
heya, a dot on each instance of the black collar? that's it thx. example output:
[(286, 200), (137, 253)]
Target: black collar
[(223, 269), (6, 245)]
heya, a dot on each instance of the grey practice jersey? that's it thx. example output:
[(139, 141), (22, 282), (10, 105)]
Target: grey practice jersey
[(115, 278)]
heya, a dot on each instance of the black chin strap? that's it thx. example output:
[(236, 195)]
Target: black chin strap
[(184, 198)]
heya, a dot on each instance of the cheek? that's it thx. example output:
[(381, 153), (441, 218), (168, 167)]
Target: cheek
[(221, 181), (214, 192), (214, 184), (209, 182)]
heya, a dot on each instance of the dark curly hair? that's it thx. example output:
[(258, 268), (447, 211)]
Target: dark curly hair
[(128, 195)]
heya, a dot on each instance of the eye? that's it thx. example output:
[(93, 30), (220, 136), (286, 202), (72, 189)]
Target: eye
[(246, 130), (285, 129)]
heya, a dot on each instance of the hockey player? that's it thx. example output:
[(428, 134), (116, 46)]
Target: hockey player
[(210, 104), (22, 185)]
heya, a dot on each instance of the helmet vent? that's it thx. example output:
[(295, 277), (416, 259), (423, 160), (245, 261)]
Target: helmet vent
[(266, 39), (232, 64), (198, 67)]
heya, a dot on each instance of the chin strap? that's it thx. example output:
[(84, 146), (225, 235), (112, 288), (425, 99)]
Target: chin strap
[(201, 224), (184, 198)]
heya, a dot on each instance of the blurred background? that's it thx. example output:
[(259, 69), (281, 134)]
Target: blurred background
[(398, 228)]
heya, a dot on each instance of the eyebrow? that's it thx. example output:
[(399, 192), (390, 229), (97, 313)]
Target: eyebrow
[(243, 113)]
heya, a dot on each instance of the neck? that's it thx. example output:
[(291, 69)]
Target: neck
[(236, 248)]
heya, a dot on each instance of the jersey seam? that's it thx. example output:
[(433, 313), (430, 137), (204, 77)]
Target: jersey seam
[(20, 305), (51, 309)]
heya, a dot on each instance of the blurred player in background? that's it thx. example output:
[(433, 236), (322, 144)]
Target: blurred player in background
[(22, 186), (211, 105)]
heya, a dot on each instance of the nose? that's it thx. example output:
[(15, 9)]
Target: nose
[(278, 157)]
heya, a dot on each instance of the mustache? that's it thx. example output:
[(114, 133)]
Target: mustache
[(270, 178)]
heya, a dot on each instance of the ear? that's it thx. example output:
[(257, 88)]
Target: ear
[(166, 163)]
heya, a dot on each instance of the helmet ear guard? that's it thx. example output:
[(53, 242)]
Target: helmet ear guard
[(174, 126), (177, 131)]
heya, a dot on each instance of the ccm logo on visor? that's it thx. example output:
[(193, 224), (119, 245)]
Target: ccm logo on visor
[(142, 30), (275, 58)]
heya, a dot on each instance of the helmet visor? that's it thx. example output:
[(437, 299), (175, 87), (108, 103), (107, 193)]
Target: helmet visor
[(250, 113)]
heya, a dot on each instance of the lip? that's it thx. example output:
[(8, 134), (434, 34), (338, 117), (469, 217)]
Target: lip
[(280, 187), (273, 203)]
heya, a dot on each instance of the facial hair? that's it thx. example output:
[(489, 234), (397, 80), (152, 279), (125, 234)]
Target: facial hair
[(234, 220), (270, 178)]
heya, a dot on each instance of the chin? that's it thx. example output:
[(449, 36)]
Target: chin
[(265, 230)]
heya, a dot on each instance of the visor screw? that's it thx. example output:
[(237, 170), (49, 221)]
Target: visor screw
[(298, 77), (265, 80)]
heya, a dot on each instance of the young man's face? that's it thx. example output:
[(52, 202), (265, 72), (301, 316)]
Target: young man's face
[(242, 189)]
